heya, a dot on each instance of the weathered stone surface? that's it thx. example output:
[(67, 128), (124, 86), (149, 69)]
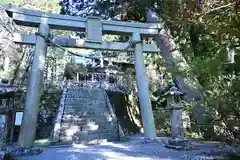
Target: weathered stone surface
[(3, 132), (155, 140), (65, 138), (85, 93), (19, 151), (46, 119), (76, 101), (177, 123), (69, 123), (81, 113), (180, 143), (57, 126)]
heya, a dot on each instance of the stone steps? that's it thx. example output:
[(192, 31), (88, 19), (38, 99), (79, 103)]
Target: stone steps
[(86, 117), (79, 102), (86, 96), (89, 139), (85, 126), (83, 102), (89, 136), (85, 93), (77, 131), (79, 113), (87, 111), (88, 121), (85, 105), (91, 116)]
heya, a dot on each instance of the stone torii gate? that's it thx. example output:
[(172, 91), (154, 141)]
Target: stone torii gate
[(94, 28)]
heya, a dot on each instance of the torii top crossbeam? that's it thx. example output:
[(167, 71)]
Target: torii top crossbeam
[(93, 26), (33, 18)]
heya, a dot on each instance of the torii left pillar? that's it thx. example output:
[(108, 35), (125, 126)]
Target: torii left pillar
[(31, 106), (143, 89)]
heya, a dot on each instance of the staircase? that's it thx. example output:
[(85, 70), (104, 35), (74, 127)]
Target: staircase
[(86, 117)]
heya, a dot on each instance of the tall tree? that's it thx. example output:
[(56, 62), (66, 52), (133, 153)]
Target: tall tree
[(175, 62)]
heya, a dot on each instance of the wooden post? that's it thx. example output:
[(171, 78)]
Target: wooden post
[(143, 89), (28, 127)]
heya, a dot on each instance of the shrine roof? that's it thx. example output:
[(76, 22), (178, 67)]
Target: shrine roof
[(7, 91), (7, 88), (173, 91)]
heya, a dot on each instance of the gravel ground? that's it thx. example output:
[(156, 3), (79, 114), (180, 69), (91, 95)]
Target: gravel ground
[(131, 150)]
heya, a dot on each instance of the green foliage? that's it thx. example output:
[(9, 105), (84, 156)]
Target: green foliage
[(162, 121), (50, 98), (202, 34)]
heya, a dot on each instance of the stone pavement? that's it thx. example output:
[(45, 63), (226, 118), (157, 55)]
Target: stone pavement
[(131, 150)]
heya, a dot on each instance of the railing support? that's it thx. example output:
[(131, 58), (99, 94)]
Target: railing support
[(143, 89), (28, 127)]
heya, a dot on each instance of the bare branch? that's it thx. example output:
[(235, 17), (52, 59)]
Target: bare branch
[(218, 8)]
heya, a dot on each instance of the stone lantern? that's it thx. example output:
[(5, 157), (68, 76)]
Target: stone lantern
[(177, 141), (173, 96)]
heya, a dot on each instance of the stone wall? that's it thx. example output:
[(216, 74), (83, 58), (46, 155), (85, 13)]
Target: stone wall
[(3, 131), (46, 120)]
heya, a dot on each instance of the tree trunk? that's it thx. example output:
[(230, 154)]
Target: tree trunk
[(16, 71), (26, 71), (176, 63), (6, 62)]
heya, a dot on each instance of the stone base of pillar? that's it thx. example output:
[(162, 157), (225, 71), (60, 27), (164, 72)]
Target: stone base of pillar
[(180, 143), (156, 140)]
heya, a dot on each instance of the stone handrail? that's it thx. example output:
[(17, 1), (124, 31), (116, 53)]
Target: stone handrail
[(110, 107), (56, 132)]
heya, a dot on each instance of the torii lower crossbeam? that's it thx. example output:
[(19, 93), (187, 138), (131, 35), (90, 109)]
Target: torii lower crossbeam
[(69, 42)]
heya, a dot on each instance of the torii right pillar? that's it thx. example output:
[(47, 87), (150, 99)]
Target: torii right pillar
[(143, 89)]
